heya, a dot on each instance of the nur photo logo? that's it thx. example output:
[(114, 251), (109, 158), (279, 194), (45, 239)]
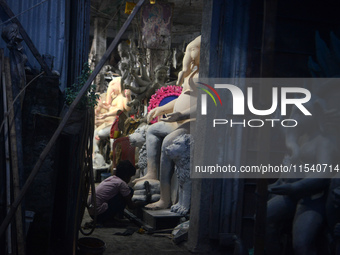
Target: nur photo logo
[(281, 99), (204, 97)]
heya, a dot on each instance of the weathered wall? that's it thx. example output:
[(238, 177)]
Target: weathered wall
[(57, 28), (40, 118)]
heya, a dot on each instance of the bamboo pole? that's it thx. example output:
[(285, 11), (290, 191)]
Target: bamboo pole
[(14, 159), (56, 134)]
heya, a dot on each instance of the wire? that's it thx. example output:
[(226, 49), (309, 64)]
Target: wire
[(34, 6), (118, 9), (88, 181), (11, 107)]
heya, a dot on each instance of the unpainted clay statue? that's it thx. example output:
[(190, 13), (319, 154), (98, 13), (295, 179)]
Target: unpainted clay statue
[(138, 139), (177, 122), (124, 51), (311, 205), (147, 88), (104, 121), (302, 202), (146, 191), (114, 88), (179, 152)]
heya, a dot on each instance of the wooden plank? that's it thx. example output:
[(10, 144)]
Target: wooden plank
[(14, 159), (25, 36), (62, 124)]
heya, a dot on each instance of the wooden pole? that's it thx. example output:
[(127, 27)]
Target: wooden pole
[(62, 124), (8, 165), (267, 70), (14, 159)]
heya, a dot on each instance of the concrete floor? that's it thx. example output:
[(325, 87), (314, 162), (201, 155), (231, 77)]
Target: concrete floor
[(136, 244)]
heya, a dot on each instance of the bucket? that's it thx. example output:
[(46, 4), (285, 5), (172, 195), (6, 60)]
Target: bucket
[(104, 176), (91, 246)]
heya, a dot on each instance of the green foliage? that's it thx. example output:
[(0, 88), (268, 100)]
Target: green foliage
[(90, 98)]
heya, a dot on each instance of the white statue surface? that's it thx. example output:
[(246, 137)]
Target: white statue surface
[(107, 111), (179, 152), (138, 140), (177, 122)]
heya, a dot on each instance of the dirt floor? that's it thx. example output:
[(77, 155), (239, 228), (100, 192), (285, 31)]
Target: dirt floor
[(136, 243)]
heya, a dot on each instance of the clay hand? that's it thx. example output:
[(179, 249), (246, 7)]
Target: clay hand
[(155, 112), (173, 117), (102, 116), (284, 189), (125, 75), (133, 71)]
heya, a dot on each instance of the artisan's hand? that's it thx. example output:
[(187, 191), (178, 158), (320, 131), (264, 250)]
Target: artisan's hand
[(284, 189), (173, 117)]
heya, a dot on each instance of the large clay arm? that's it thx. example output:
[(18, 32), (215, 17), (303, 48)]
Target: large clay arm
[(112, 112), (143, 72), (291, 138), (183, 115), (301, 188), (136, 90), (292, 135), (140, 81), (186, 69), (120, 105)]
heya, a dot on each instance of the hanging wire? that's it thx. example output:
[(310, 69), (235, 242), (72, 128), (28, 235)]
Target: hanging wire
[(11, 107), (34, 6), (114, 16), (87, 179)]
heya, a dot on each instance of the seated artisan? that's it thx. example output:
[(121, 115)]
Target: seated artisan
[(113, 195)]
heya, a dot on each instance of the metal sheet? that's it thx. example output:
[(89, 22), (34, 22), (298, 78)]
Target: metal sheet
[(47, 23)]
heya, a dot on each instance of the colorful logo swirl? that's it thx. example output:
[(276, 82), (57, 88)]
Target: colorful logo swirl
[(209, 93)]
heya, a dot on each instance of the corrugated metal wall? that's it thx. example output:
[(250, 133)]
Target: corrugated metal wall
[(48, 22), (78, 27)]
